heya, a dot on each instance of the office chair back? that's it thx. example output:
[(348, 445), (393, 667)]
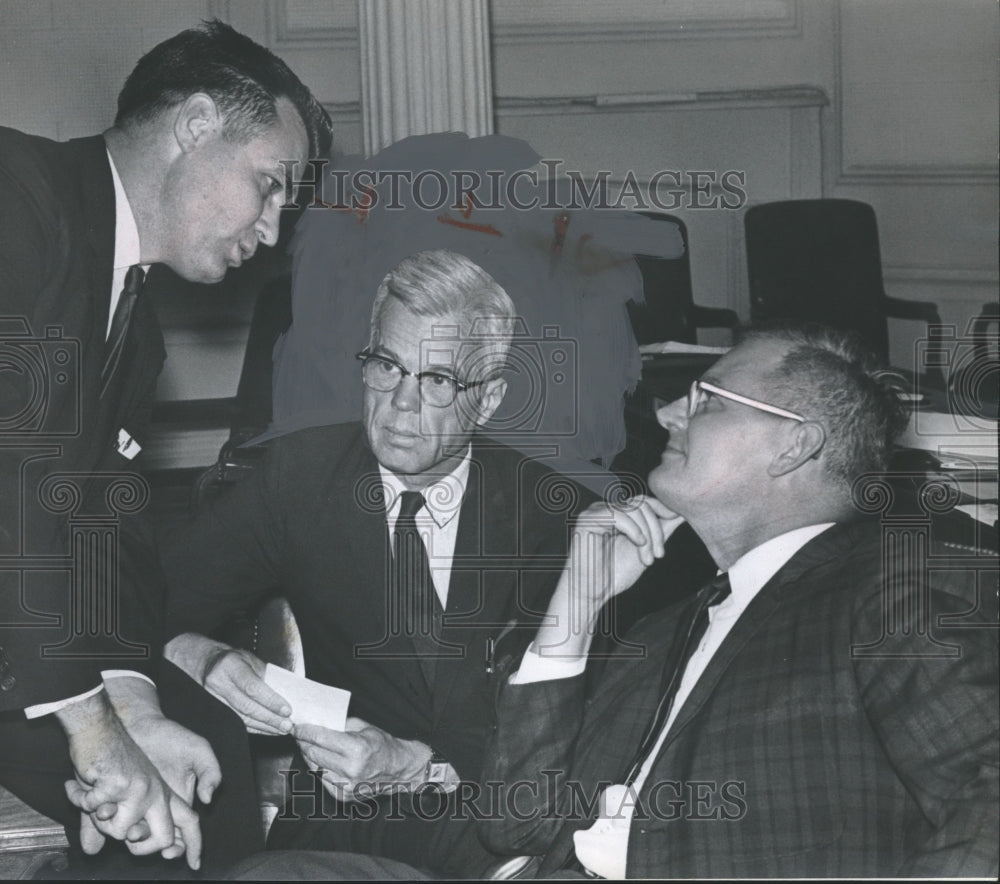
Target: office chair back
[(669, 312), (817, 260)]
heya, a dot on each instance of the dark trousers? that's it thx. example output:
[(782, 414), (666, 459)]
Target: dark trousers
[(432, 832), (34, 765)]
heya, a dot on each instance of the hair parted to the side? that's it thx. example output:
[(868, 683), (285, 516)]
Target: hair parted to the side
[(832, 376), (244, 79), (440, 282)]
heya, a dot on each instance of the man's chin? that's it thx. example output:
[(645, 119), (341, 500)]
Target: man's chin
[(659, 481), (204, 275)]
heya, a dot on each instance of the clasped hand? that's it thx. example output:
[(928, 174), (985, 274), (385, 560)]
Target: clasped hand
[(120, 785)]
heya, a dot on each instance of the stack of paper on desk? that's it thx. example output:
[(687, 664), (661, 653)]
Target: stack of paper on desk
[(972, 439), (311, 701)]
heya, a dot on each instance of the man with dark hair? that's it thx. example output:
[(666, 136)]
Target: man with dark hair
[(189, 176), (820, 709), (322, 522), (245, 80)]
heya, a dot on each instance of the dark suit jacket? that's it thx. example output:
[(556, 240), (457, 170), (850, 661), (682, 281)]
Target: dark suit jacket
[(800, 752), (311, 522), (57, 225)]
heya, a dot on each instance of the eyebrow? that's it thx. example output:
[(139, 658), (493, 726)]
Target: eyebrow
[(447, 370)]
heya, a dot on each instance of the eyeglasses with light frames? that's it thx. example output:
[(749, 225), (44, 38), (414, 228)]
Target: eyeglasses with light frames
[(437, 389), (701, 391)]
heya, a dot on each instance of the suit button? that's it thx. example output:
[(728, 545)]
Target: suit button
[(7, 682)]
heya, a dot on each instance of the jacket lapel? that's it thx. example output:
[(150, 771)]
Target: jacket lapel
[(97, 197), (366, 534), (477, 607), (830, 544)]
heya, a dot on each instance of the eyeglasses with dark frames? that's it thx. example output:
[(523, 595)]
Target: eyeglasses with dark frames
[(700, 392), (384, 374)]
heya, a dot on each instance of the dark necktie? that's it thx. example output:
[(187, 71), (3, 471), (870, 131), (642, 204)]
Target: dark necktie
[(707, 596), (120, 324), (419, 604)]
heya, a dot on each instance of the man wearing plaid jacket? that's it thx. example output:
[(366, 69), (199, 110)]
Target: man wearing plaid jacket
[(839, 716)]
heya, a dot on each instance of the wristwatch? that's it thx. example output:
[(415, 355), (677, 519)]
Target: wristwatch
[(437, 768), (439, 772)]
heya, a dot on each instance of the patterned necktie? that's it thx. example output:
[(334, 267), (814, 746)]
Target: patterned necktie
[(708, 596), (419, 605), (120, 324)]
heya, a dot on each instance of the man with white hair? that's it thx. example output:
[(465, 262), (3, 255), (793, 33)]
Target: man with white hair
[(405, 545)]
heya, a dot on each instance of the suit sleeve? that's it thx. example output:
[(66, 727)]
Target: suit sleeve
[(931, 696), (528, 761), (228, 557), (29, 249)]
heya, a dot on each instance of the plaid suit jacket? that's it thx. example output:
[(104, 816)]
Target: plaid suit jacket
[(840, 730)]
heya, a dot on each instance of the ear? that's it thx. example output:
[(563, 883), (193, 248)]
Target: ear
[(806, 442), (198, 120), (492, 393)]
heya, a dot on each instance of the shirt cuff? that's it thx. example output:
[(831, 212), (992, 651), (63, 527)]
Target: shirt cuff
[(48, 708), (535, 667)]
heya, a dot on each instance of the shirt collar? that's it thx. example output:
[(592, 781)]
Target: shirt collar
[(443, 499), (127, 249), (753, 569)]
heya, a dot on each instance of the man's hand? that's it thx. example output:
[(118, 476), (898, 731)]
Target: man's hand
[(117, 786), (185, 761), (363, 754), (235, 677), (187, 830), (612, 546), (634, 533)]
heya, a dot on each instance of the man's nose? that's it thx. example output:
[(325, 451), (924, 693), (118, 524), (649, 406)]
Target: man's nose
[(269, 222), (406, 397), (673, 415)]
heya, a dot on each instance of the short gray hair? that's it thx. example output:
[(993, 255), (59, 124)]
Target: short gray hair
[(440, 282), (831, 376)]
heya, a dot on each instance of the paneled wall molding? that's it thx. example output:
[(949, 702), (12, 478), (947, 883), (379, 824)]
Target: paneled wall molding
[(424, 68), (737, 99), (527, 21), (847, 173), (292, 24), (949, 275), (903, 173)]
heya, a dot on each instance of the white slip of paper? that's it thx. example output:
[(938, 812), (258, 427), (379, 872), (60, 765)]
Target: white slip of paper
[(311, 701)]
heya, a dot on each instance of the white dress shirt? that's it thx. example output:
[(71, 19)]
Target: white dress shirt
[(437, 522), (603, 848), (127, 249), (127, 253)]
